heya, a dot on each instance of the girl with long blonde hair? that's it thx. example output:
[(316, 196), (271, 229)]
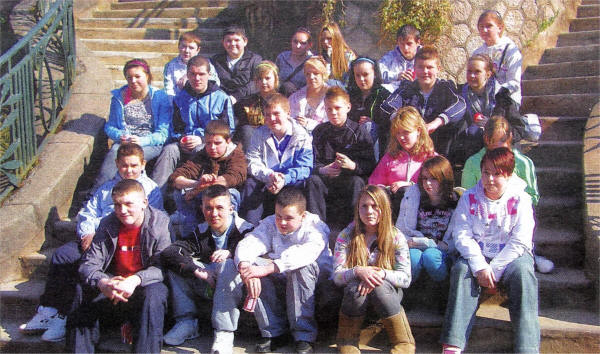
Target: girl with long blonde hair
[(307, 105), (335, 50), (372, 264), (409, 145)]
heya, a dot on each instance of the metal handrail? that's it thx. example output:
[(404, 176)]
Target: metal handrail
[(35, 79)]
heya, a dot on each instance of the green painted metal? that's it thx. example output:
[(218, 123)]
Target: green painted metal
[(36, 75)]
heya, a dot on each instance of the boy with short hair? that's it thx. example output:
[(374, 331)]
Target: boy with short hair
[(57, 299), (343, 159), (236, 65), (121, 280), (200, 102), (398, 64), (280, 154), (204, 260), (174, 74), (284, 259), (436, 99), (219, 162)]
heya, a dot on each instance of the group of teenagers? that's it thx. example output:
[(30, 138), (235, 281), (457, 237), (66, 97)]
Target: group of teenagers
[(254, 161)]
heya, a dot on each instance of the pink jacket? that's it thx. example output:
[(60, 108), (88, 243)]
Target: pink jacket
[(402, 168)]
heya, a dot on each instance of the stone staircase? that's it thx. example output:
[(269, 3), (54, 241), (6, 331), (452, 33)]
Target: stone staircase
[(150, 30), (561, 89)]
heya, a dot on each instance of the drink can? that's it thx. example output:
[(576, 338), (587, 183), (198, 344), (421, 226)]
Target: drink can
[(478, 117), (249, 304), (414, 74), (185, 139)]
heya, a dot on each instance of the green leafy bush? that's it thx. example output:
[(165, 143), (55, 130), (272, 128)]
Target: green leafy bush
[(431, 17)]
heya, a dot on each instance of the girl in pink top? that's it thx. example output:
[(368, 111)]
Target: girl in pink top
[(409, 147)]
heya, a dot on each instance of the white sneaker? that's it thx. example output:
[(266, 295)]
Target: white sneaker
[(223, 343), (543, 264), (57, 329), (182, 331), (40, 322)]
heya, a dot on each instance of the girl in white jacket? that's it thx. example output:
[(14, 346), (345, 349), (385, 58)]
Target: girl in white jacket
[(493, 231)]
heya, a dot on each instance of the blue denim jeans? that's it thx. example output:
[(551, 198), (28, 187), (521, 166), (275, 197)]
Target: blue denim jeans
[(520, 283), (226, 297), (432, 259), (384, 299), (289, 298), (190, 209)]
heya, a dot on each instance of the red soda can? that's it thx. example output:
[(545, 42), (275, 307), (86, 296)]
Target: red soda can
[(185, 139), (414, 74), (478, 117), (127, 333), (249, 304)]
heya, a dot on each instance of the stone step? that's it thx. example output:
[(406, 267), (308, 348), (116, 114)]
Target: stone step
[(562, 128), (561, 85), (165, 46), (35, 265), (164, 23), (566, 154), (590, 2), (144, 33), (560, 105), (584, 11), (119, 58), (167, 4), (570, 54), (563, 246), (569, 179), (578, 38), (557, 211), (200, 12), (117, 72), (567, 69), (584, 24)]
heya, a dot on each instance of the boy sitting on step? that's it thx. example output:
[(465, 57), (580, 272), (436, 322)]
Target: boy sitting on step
[(56, 301)]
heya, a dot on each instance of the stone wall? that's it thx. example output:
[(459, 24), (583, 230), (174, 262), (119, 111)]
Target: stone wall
[(523, 19)]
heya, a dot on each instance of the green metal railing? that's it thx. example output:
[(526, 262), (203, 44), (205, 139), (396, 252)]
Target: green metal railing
[(35, 79)]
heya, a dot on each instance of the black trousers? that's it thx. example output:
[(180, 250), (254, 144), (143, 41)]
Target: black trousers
[(145, 310), (333, 196), (63, 278)]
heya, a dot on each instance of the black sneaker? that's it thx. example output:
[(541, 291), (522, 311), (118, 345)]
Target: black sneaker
[(302, 347), (267, 344)]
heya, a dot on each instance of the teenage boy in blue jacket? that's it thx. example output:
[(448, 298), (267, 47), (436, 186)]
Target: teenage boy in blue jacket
[(280, 153), (200, 101)]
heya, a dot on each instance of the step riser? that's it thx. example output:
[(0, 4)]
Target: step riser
[(558, 86), (562, 256), (117, 74), (578, 39), (206, 12), (143, 46), (556, 70), (588, 11), (168, 4), (143, 33), (153, 59), (556, 155), (569, 54), (562, 128), (561, 105), (571, 183), (180, 23), (584, 24)]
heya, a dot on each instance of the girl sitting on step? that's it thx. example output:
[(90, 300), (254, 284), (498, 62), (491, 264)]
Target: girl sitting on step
[(372, 264)]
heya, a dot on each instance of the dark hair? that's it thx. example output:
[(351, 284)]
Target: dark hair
[(214, 191), (275, 99), (494, 15), (198, 61), (137, 62), (440, 169), (130, 149), (234, 29), (126, 186), (291, 195), (497, 130), (336, 92), (377, 80), (408, 30), (487, 61), (217, 127), (502, 158), (303, 29)]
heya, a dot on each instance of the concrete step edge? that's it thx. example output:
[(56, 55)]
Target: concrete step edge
[(129, 41), (570, 78)]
